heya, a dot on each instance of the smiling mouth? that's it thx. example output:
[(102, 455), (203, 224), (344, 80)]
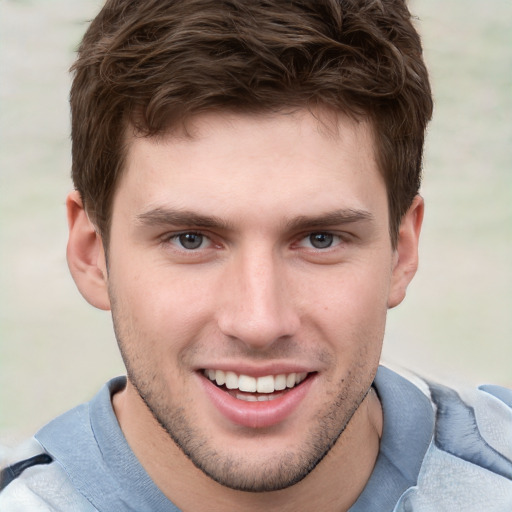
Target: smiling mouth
[(255, 389)]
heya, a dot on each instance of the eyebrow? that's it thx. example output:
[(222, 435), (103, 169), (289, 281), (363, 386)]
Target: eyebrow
[(173, 217), (335, 218)]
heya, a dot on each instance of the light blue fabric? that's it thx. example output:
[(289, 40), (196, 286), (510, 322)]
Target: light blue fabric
[(89, 444), (440, 451), (407, 433), (468, 466)]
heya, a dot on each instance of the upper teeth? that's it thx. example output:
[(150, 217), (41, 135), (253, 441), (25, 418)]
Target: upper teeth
[(266, 384)]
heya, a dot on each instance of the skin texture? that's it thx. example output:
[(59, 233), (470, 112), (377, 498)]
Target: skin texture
[(255, 297)]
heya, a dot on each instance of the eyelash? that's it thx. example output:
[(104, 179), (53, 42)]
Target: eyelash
[(174, 239), (336, 240)]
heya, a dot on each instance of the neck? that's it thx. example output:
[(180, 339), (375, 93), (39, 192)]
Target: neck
[(334, 484)]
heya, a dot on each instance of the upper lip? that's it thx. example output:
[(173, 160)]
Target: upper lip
[(258, 371)]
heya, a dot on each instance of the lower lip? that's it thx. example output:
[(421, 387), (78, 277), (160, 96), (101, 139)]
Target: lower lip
[(257, 414)]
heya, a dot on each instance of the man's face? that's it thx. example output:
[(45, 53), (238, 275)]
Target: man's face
[(253, 255)]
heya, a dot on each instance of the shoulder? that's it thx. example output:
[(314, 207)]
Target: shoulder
[(39, 484), (469, 462), (475, 425)]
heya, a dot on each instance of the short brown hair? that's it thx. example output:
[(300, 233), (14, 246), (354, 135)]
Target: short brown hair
[(155, 63)]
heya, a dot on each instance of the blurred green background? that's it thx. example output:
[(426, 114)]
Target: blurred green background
[(455, 325)]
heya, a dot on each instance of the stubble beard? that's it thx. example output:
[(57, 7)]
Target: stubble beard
[(283, 470)]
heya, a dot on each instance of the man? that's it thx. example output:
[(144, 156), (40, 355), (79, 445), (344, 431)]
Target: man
[(247, 206)]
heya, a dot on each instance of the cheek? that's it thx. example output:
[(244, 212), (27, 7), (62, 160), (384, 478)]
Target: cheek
[(158, 309), (350, 308)]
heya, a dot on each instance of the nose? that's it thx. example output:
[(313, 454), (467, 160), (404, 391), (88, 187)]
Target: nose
[(257, 307)]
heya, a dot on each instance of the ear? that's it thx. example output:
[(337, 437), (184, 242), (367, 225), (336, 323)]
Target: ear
[(405, 261), (86, 255)]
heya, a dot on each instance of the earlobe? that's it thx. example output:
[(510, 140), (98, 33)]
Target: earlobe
[(406, 253), (85, 254)]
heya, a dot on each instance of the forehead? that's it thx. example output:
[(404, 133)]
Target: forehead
[(239, 164)]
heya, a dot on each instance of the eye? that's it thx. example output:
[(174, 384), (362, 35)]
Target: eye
[(190, 241), (320, 240)]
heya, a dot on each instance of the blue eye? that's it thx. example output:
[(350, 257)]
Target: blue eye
[(321, 240), (190, 241)]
